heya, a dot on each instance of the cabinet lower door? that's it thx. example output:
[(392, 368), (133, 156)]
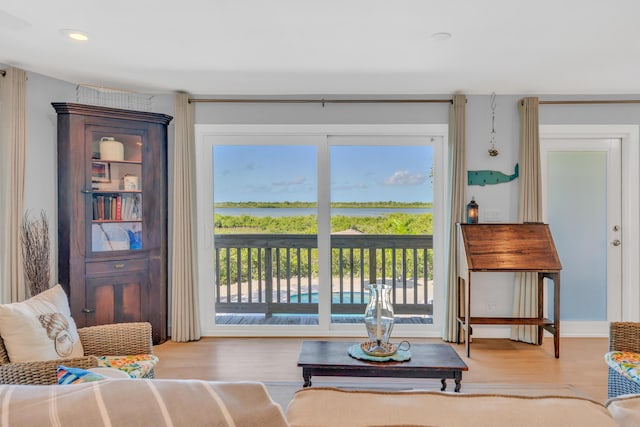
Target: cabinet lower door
[(117, 299)]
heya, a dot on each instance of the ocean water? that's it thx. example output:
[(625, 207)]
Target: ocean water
[(278, 212)]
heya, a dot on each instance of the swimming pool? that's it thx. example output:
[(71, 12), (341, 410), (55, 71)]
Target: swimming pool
[(335, 298)]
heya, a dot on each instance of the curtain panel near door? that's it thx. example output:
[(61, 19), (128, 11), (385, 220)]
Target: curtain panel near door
[(458, 182), (13, 148), (184, 309), (525, 298)]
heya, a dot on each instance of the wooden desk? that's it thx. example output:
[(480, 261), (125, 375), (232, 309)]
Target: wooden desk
[(508, 248)]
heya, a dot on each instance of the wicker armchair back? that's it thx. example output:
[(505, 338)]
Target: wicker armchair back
[(120, 339), (4, 357)]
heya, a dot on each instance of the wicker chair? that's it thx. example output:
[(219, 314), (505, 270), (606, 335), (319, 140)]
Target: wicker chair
[(106, 340), (623, 336)]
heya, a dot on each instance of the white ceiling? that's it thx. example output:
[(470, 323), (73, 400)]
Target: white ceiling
[(257, 47)]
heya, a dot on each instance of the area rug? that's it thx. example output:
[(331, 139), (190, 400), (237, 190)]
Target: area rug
[(282, 391)]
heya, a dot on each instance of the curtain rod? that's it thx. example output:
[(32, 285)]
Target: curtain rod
[(321, 101), (594, 101)]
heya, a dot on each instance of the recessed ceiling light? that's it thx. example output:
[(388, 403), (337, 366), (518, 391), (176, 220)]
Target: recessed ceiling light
[(441, 36), (75, 35)]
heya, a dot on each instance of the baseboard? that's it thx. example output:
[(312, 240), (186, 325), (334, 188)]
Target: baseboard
[(568, 329)]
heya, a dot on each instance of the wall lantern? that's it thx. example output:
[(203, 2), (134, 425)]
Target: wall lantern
[(472, 212)]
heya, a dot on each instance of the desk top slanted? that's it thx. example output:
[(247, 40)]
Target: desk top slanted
[(525, 247), (510, 247)]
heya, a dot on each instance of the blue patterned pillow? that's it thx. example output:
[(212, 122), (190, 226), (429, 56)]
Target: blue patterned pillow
[(67, 375)]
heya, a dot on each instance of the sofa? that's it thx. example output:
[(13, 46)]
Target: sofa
[(315, 407), (193, 403)]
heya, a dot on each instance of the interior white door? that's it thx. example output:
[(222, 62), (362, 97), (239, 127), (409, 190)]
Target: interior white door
[(582, 202)]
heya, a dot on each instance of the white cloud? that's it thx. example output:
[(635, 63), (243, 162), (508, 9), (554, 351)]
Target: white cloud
[(405, 178)]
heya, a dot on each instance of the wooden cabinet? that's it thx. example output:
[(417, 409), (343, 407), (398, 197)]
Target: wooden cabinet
[(112, 215)]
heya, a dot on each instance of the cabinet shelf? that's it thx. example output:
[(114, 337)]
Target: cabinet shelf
[(111, 221), (125, 162), (116, 191)]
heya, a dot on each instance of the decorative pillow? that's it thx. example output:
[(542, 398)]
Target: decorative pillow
[(40, 328), (68, 375), (136, 366), (110, 373), (626, 363)]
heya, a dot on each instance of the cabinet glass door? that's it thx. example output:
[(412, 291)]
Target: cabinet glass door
[(116, 191)]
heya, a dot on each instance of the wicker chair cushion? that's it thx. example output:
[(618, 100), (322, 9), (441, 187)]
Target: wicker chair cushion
[(137, 366), (625, 363), (40, 328)]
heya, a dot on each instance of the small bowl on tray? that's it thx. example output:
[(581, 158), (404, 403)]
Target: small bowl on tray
[(372, 348)]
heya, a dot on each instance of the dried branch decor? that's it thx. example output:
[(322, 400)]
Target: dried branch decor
[(35, 252)]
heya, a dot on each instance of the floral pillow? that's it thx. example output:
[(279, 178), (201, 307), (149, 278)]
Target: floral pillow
[(626, 363), (40, 328), (136, 366)]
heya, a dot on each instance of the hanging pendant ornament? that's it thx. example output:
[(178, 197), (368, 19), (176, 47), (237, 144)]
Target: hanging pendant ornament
[(493, 151)]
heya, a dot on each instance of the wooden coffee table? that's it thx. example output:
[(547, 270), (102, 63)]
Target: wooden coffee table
[(330, 358)]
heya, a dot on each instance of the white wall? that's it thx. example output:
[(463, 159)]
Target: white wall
[(41, 168)]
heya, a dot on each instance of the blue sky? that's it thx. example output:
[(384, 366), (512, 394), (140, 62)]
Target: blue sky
[(289, 173)]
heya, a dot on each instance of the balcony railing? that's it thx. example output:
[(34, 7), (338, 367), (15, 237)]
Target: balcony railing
[(278, 273)]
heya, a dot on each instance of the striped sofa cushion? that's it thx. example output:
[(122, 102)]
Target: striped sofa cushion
[(122, 402)]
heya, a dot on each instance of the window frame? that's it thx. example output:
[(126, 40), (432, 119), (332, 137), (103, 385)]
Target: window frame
[(208, 135)]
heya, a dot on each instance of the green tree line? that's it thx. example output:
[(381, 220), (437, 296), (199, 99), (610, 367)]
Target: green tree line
[(391, 224), (395, 223)]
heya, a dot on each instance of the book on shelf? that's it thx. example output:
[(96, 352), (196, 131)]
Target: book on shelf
[(107, 208), (95, 207), (117, 207)]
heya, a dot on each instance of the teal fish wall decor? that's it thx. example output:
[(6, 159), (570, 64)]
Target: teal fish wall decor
[(490, 177)]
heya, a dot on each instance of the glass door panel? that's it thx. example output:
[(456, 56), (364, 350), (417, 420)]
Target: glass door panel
[(116, 191), (577, 212), (265, 234), (381, 225)]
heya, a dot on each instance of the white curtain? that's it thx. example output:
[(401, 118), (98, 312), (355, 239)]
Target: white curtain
[(184, 307), (458, 167), (525, 300), (13, 147)]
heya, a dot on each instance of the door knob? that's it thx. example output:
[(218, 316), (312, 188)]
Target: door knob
[(616, 242)]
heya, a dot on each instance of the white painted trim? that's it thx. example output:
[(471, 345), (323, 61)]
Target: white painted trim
[(324, 238), (630, 138), (328, 129), (204, 135)]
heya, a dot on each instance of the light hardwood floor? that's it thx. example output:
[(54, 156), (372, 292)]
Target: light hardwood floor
[(493, 361)]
